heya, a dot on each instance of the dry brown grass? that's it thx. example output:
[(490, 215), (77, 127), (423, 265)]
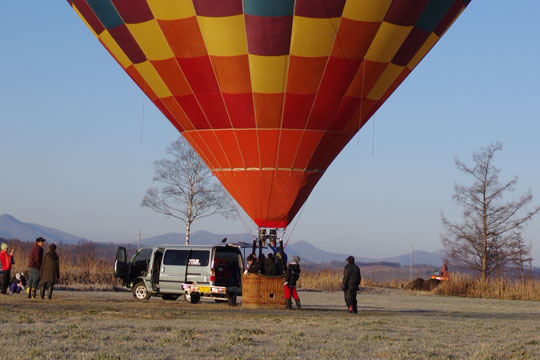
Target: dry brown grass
[(466, 286), (78, 263), (330, 280), (458, 285)]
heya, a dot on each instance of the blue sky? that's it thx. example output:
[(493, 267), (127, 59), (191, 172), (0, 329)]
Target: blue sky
[(78, 138)]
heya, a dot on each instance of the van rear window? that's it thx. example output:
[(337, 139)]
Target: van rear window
[(180, 257)]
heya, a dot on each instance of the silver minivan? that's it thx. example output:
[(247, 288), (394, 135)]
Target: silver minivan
[(194, 271)]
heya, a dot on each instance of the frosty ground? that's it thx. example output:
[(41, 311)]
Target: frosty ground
[(392, 324)]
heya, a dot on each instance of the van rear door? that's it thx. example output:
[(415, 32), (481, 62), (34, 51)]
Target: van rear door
[(198, 267), (228, 266), (121, 268), (156, 267)]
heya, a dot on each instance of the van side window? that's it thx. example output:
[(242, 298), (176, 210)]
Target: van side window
[(180, 257), (175, 257), (142, 257), (199, 258)]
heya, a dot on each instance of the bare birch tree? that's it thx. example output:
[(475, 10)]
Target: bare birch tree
[(482, 241), (189, 190)]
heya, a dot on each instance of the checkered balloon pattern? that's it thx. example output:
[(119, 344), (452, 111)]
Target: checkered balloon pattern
[(268, 92)]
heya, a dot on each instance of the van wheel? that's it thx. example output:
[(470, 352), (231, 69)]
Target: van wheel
[(140, 292), (194, 298), (170, 297), (231, 299)]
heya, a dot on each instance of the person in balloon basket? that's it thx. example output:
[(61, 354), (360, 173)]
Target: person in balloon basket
[(350, 283), (279, 255), (50, 272), (269, 265), (34, 267), (7, 263), (249, 266), (289, 287), (256, 265)]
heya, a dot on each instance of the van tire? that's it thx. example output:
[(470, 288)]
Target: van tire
[(169, 297), (140, 292), (195, 298)]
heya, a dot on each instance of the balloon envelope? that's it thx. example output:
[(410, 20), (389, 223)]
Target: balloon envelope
[(268, 92)]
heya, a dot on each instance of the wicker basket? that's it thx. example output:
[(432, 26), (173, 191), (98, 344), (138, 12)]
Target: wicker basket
[(263, 292)]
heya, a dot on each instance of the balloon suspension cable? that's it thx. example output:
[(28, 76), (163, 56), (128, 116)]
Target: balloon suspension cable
[(246, 227), (294, 226)]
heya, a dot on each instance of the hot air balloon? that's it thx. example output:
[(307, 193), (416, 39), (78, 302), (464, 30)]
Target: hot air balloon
[(268, 92)]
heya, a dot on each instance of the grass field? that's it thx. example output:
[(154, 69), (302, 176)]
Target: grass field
[(392, 324)]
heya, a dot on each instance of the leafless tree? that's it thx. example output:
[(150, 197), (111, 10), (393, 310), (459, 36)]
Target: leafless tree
[(189, 190), (521, 253), (482, 241)]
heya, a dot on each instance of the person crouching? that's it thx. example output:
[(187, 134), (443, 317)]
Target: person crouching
[(18, 283)]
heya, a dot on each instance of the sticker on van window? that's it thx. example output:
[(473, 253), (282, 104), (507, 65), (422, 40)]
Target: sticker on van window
[(194, 262)]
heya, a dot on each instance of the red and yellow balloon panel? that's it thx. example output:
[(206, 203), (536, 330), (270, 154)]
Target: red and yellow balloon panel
[(268, 92)]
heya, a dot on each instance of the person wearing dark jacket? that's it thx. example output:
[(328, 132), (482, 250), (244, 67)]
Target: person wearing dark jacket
[(350, 283), (257, 265), (280, 256), (34, 267), (249, 266), (289, 287), (50, 271), (279, 264), (269, 265)]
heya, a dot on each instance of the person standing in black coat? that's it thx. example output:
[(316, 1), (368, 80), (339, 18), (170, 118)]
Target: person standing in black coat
[(350, 283), (289, 287), (50, 271)]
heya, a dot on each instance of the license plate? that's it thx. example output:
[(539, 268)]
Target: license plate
[(204, 289)]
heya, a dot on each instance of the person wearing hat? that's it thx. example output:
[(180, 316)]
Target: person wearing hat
[(289, 287), (34, 267), (18, 282), (350, 283), (7, 263), (50, 272)]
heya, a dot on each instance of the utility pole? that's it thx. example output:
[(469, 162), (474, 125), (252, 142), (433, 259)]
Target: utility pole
[(139, 239)]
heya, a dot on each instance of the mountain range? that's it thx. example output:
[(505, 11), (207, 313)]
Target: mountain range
[(12, 228)]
